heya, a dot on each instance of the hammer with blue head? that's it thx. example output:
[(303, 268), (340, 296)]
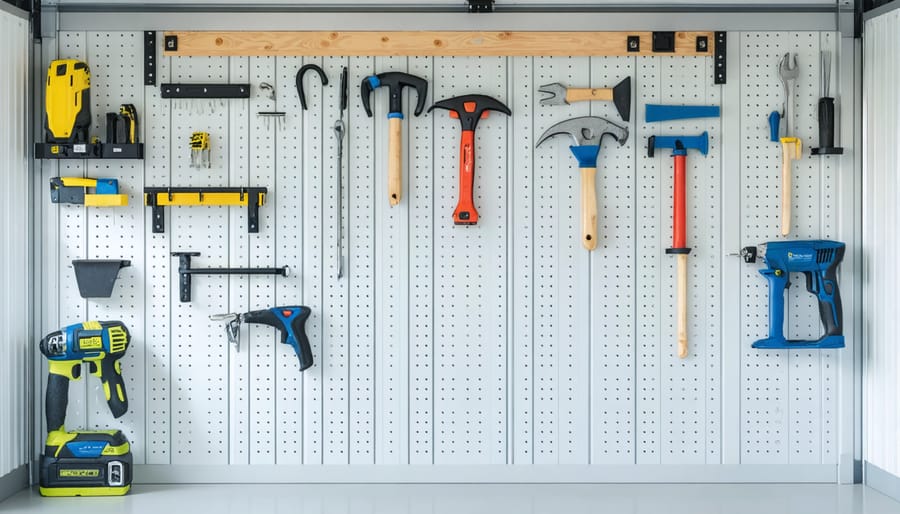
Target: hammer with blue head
[(680, 146), (587, 133)]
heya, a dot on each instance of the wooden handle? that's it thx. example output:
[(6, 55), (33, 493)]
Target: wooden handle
[(681, 279), (588, 208), (586, 94), (790, 150), (395, 160)]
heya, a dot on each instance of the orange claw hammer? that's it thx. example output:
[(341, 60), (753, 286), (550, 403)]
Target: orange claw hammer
[(469, 109)]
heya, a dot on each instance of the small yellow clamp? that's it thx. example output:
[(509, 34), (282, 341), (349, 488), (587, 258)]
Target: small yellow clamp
[(200, 150)]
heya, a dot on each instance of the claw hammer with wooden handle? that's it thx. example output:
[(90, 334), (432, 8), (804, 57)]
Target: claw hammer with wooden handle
[(587, 132), (395, 82)]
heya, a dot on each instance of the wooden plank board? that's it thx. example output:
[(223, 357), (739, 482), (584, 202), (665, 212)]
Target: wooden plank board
[(443, 43)]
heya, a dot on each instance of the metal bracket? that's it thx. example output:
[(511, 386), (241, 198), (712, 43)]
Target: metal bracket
[(36, 19), (664, 42), (205, 90), (719, 63), (252, 197), (150, 58), (481, 6), (171, 43), (185, 271)]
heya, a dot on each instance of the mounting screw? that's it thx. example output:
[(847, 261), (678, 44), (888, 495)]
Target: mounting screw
[(634, 44), (702, 44)]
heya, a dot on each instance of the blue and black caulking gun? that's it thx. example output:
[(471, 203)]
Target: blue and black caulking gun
[(818, 259)]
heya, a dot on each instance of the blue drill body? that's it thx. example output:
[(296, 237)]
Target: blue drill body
[(818, 261)]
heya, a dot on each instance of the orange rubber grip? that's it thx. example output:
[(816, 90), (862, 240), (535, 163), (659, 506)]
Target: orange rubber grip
[(679, 229), (465, 213)]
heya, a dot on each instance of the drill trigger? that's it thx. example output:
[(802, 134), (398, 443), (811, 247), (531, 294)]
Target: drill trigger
[(811, 285)]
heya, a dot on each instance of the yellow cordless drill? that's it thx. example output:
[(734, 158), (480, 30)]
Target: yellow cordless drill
[(83, 462)]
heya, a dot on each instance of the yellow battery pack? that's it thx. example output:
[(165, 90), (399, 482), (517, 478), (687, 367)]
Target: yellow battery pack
[(86, 463)]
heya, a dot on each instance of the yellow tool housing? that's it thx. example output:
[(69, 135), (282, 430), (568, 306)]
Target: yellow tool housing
[(67, 102)]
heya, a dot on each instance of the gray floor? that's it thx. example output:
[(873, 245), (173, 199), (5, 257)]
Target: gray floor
[(471, 499)]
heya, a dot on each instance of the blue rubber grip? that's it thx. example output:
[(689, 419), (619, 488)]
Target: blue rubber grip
[(778, 282), (655, 112), (586, 155), (774, 122)]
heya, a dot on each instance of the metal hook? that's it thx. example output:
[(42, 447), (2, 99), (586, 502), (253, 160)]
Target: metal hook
[(304, 69)]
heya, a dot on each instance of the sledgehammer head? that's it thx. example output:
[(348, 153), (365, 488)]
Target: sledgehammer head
[(395, 81), (470, 108), (679, 143)]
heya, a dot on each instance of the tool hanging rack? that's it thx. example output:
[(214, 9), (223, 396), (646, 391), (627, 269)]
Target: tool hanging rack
[(440, 43)]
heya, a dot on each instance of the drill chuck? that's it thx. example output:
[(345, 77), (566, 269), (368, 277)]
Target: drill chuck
[(53, 345)]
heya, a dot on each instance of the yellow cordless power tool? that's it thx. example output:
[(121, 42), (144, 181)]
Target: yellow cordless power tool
[(85, 462), (67, 103)]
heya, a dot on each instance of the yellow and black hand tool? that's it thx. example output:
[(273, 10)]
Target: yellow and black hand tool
[(74, 190), (85, 463), (67, 100), (200, 150)]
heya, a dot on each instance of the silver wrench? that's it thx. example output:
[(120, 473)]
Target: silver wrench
[(339, 131), (788, 75), (790, 144)]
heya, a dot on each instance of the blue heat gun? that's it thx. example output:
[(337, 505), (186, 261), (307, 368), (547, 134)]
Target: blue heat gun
[(818, 260)]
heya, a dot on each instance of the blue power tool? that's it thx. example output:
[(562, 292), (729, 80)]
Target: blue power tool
[(817, 259)]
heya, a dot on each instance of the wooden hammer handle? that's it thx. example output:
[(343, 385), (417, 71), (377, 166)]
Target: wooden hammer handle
[(586, 94), (681, 306), (588, 208), (790, 150), (395, 160)]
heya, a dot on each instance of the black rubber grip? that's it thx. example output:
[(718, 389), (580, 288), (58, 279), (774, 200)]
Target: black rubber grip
[(115, 385), (56, 401), (291, 322), (826, 122), (833, 319)]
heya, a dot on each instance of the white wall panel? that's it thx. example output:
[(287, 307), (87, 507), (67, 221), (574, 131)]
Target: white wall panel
[(881, 135), (454, 347), (16, 337)]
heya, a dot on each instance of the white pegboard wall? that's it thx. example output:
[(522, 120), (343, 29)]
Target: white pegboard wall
[(500, 343)]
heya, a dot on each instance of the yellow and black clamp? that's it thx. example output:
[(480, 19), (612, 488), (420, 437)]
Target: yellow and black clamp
[(158, 197), (74, 190), (200, 150)]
